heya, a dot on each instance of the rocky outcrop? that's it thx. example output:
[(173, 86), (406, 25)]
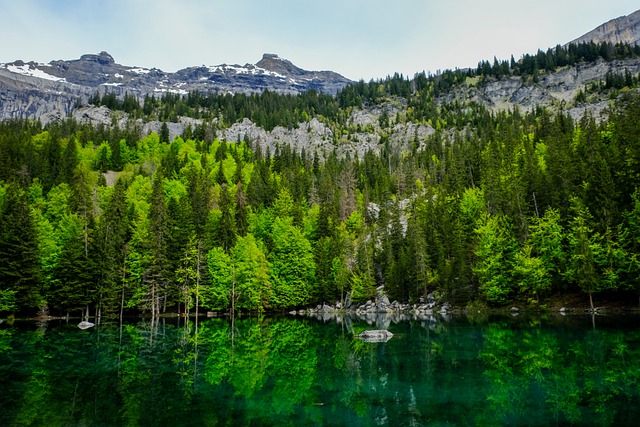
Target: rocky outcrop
[(625, 29), (322, 81), (381, 306), (555, 89), (30, 96)]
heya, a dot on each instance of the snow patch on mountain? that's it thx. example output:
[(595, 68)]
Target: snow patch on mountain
[(139, 70), (247, 69), (26, 70)]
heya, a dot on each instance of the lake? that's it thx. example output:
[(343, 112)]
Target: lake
[(455, 370)]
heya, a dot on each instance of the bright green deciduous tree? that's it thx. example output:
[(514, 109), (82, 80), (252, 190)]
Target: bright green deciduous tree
[(253, 289), (530, 274), (495, 252), (540, 260), (218, 294), (292, 266), (546, 236)]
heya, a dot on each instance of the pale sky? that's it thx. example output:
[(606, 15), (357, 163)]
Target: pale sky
[(360, 39)]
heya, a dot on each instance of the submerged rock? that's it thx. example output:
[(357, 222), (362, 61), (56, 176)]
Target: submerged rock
[(375, 335)]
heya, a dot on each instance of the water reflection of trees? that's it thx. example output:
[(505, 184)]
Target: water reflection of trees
[(261, 371), (537, 374)]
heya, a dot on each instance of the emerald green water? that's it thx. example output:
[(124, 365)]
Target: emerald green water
[(293, 371)]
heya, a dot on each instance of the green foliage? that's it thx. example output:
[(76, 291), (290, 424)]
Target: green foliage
[(500, 206), (292, 266), (494, 266), (225, 233), (251, 274), (7, 300), (530, 273), (20, 268), (188, 273), (219, 293)]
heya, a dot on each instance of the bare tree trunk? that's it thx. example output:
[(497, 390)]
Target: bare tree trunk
[(233, 291), (122, 303), (197, 283), (153, 301), (124, 270), (195, 351)]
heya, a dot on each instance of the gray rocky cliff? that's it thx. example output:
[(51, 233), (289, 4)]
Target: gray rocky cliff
[(555, 89), (625, 29)]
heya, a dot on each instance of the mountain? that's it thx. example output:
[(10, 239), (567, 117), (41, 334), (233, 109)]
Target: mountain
[(625, 29), (53, 91), (35, 90)]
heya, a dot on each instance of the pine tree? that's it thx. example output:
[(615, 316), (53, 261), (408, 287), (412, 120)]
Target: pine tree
[(111, 243), (225, 235), (158, 273), (74, 278), (70, 161), (241, 218), (199, 192), (19, 258), (164, 133)]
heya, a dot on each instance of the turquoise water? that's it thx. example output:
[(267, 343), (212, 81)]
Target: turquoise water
[(301, 371)]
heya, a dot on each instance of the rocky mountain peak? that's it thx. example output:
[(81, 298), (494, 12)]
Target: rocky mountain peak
[(272, 62), (625, 29), (102, 58)]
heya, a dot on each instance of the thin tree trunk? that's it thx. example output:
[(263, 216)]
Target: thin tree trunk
[(197, 283), (124, 270), (164, 304), (122, 303), (233, 291), (153, 301), (195, 358)]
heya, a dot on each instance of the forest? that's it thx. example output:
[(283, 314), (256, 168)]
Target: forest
[(494, 208)]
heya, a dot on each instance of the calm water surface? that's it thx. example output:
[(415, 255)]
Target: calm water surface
[(292, 371)]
